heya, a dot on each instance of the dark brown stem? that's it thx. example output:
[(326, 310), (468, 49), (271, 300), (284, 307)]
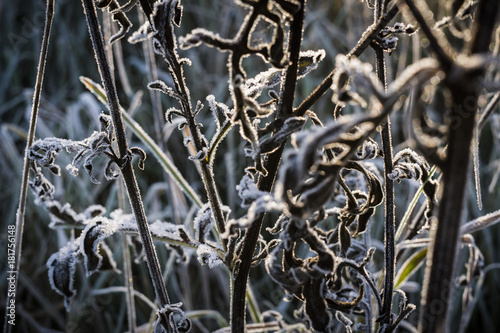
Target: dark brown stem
[(126, 160), (390, 228), (204, 164), (265, 183), (439, 275), (18, 242)]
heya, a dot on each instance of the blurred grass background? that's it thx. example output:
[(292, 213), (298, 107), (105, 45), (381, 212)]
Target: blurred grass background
[(67, 110)]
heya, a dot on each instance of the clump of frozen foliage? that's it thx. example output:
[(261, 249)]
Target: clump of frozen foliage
[(317, 178)]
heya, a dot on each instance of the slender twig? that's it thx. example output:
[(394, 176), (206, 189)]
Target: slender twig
[(365, 41), (265, 183), (49, 15), (438, 45), (152, 74), (488, 111), (120, 65), (390, 244), (176, 70), (438, 282), (126, 160)]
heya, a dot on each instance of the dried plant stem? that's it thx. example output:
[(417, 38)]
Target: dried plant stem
[(390, 227), (49, 15), (439, 275), (126, 167), (158, 116), (204, 164), (438, 282), (265, 183)]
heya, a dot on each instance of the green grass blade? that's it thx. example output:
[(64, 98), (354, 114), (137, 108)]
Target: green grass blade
[(410, 266)]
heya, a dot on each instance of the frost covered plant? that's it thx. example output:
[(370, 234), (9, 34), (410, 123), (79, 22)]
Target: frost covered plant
[(319, 179)]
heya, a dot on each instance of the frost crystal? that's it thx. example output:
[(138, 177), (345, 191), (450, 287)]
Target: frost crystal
[(248, 191), (203, 223), (208, 256)]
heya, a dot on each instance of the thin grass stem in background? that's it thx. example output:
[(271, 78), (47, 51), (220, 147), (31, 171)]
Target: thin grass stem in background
[(19, 227)]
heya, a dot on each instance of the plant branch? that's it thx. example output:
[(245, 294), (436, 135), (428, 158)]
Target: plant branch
[(365, 40), (49, 15), (390, 244), (126, 161), (177, 72), (265, 183)]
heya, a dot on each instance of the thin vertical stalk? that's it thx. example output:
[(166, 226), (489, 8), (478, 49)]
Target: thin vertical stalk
[(176, 70), (126, 161), (127, 269), (152, 73), (390, 228), (265, 183), (120, 64), (49, 15)]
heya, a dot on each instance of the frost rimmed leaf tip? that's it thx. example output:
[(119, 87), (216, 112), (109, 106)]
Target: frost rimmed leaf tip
[(308, 61)]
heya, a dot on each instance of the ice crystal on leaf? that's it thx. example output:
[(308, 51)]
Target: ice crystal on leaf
[(208, 256)]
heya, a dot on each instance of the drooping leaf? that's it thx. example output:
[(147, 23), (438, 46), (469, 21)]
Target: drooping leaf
[(90, 240), (61, 272)]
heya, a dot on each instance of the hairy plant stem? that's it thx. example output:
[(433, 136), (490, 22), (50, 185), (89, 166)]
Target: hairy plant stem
[(204, 164), (390, 228), (265, 183), (18, 243), (152, 74), (464, 85), (126, 161)]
